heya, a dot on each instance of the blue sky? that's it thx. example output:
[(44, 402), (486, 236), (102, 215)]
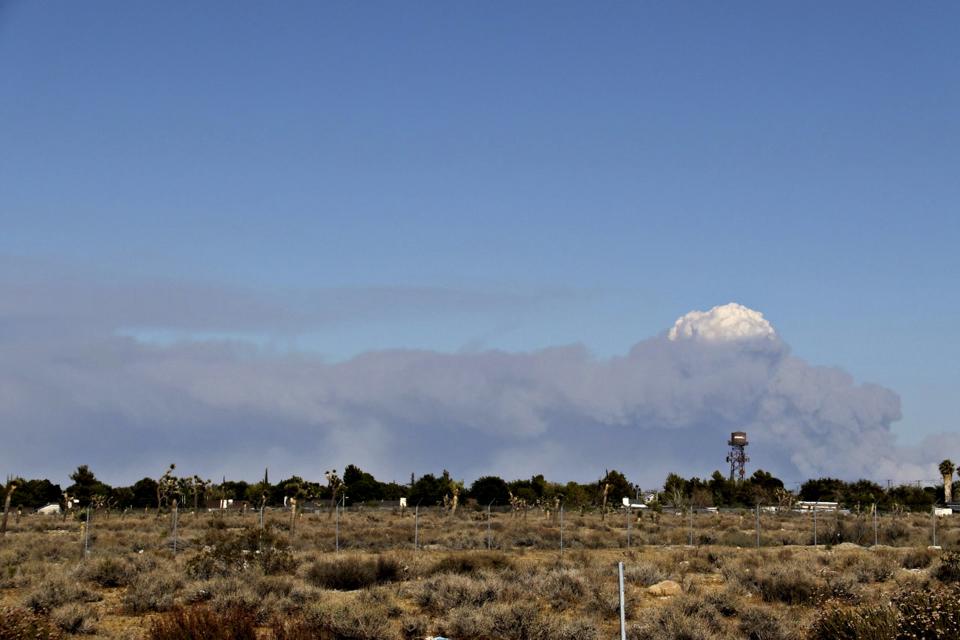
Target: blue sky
[(588, 171)]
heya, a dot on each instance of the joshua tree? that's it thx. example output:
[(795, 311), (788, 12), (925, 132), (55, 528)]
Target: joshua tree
[(946, 470), (606, 492), (336, 487), (11, 487), (166, 485), (198, 486)]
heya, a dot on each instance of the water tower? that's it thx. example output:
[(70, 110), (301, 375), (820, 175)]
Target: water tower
[(738, 455)]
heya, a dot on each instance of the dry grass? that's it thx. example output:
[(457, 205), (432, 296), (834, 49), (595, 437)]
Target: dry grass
[(274, 584)]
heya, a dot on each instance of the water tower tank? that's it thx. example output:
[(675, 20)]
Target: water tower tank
[(738, 438)]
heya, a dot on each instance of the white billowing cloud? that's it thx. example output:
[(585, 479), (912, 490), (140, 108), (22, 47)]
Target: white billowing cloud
[(722, 323), (217, 408)]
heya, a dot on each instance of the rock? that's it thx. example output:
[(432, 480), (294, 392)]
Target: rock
[(665, 589)]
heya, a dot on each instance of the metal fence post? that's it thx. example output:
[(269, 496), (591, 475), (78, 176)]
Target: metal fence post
[(627, 515), (416, 527), (489, 539), (934, 513), (86, 535), (337, 530), (623, 621), (176, 513), (561, 531), (876, 537), (690, 526), (758, 525), (814, 525)]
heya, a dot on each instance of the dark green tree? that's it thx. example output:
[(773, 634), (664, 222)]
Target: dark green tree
[(85, 486), (489, 489)]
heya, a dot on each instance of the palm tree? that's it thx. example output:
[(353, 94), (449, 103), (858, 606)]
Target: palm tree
[(946, 470)]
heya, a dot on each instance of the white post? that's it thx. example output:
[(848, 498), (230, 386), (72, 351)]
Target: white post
[(623, 621), (416, 527)]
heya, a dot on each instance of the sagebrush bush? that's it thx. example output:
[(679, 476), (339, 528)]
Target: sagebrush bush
[(25, 624), (949, 568), (917, 559), (225, 552), (444, 592), (472, 562), (763, 623), (108, 572), (787, 584), (931, 613), (154, 591), (562, 588), (75, 619), (201, 623), (876, 623), (350, 573), (57, 591), (342, 622)]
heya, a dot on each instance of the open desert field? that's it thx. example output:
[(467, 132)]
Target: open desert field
[(372, 574)]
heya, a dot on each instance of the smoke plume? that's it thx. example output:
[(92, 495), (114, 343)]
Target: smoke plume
[(129, 408)]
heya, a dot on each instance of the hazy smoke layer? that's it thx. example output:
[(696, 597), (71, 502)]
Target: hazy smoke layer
[(129, 408)]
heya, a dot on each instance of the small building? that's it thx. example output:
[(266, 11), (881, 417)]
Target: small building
[(49, 510), (816, 506)]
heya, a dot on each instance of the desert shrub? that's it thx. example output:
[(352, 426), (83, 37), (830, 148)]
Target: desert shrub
[(465, 622), (231, 594), (760, 623), (55, 592), (225, 552), (414, 628), (23, 623), (876, 623), (517, 622), (108, 572), (444, 592), (643, 574), (563, 588), (917, 559), (273, 585), (928, 614), (340, 621), (75, 619), (672, 623), (201, 623), (154, 591), (471, 562), (348, 574), (949, 568), (726, 602), (789, 585)]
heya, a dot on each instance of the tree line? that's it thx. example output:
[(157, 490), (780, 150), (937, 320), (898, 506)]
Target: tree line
[(360, 487)]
